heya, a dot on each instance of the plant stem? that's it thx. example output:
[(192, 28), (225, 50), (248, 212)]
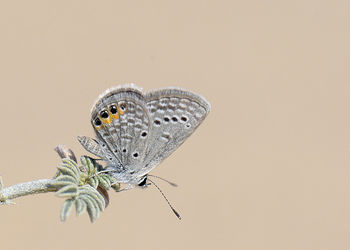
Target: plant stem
[(26, 188), (33, 187)]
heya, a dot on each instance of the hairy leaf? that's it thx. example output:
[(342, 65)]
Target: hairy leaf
[(94, 181), (93, 194), (104, 181), (88, 163), (65, 170), (72, 164), (67, 191), (91, 207), (64, 180), (80, 206), (66, 208)]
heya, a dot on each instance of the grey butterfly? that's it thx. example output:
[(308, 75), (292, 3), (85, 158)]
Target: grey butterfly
[(135, 131)]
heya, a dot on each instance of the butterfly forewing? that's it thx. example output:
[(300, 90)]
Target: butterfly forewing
[(124, 129)]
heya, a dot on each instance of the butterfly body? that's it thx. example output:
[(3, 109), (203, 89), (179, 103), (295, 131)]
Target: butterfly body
[(135, 131)]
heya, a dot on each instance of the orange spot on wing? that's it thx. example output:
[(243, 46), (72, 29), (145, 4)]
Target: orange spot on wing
[(115, 116), (107, 120), (99, 127)]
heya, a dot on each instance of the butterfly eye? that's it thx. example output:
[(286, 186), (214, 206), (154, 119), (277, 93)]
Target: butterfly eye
[(143, 183), (98, 122), (113, 109), (104, 114)]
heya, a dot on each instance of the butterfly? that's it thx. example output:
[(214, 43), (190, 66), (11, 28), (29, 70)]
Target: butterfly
[(136, 131)]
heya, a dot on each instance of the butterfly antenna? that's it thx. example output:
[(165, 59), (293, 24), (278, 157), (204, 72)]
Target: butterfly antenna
[(169, 182), (172, 208)]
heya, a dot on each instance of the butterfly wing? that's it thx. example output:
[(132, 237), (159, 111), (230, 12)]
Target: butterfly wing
[(175, 114), (121, 122), (137, 131)]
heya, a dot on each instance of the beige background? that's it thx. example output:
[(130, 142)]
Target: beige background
[(268, 169)]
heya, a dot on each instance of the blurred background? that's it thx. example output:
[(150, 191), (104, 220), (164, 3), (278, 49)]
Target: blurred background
[(269, 169)]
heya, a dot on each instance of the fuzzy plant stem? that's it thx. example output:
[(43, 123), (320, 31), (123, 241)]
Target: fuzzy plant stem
[(33, 187), (26, 188)]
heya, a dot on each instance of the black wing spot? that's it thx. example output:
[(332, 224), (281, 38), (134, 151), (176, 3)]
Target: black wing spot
[(124, 150), (174, 119), (157, 122), (98, 122), (184, 118), (113, 109), (104, 114), (166, 119), (136, 155), (144, 134)]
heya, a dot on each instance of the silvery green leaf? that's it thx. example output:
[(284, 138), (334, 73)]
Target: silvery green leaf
[(66, 209), (95, 202), (65, 170), (64, 180), (93, 194), (87, 162), (70, 169), (83, 160), (72, 164), (104, 182), (91, 207), (80, 206), (111, 178), (93, 181), (67, 191), (60, 184)]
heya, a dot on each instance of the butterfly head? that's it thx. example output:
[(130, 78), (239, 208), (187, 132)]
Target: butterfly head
[(142, 182)]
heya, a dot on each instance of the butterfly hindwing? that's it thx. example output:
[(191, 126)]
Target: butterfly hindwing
[(175, 114)]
